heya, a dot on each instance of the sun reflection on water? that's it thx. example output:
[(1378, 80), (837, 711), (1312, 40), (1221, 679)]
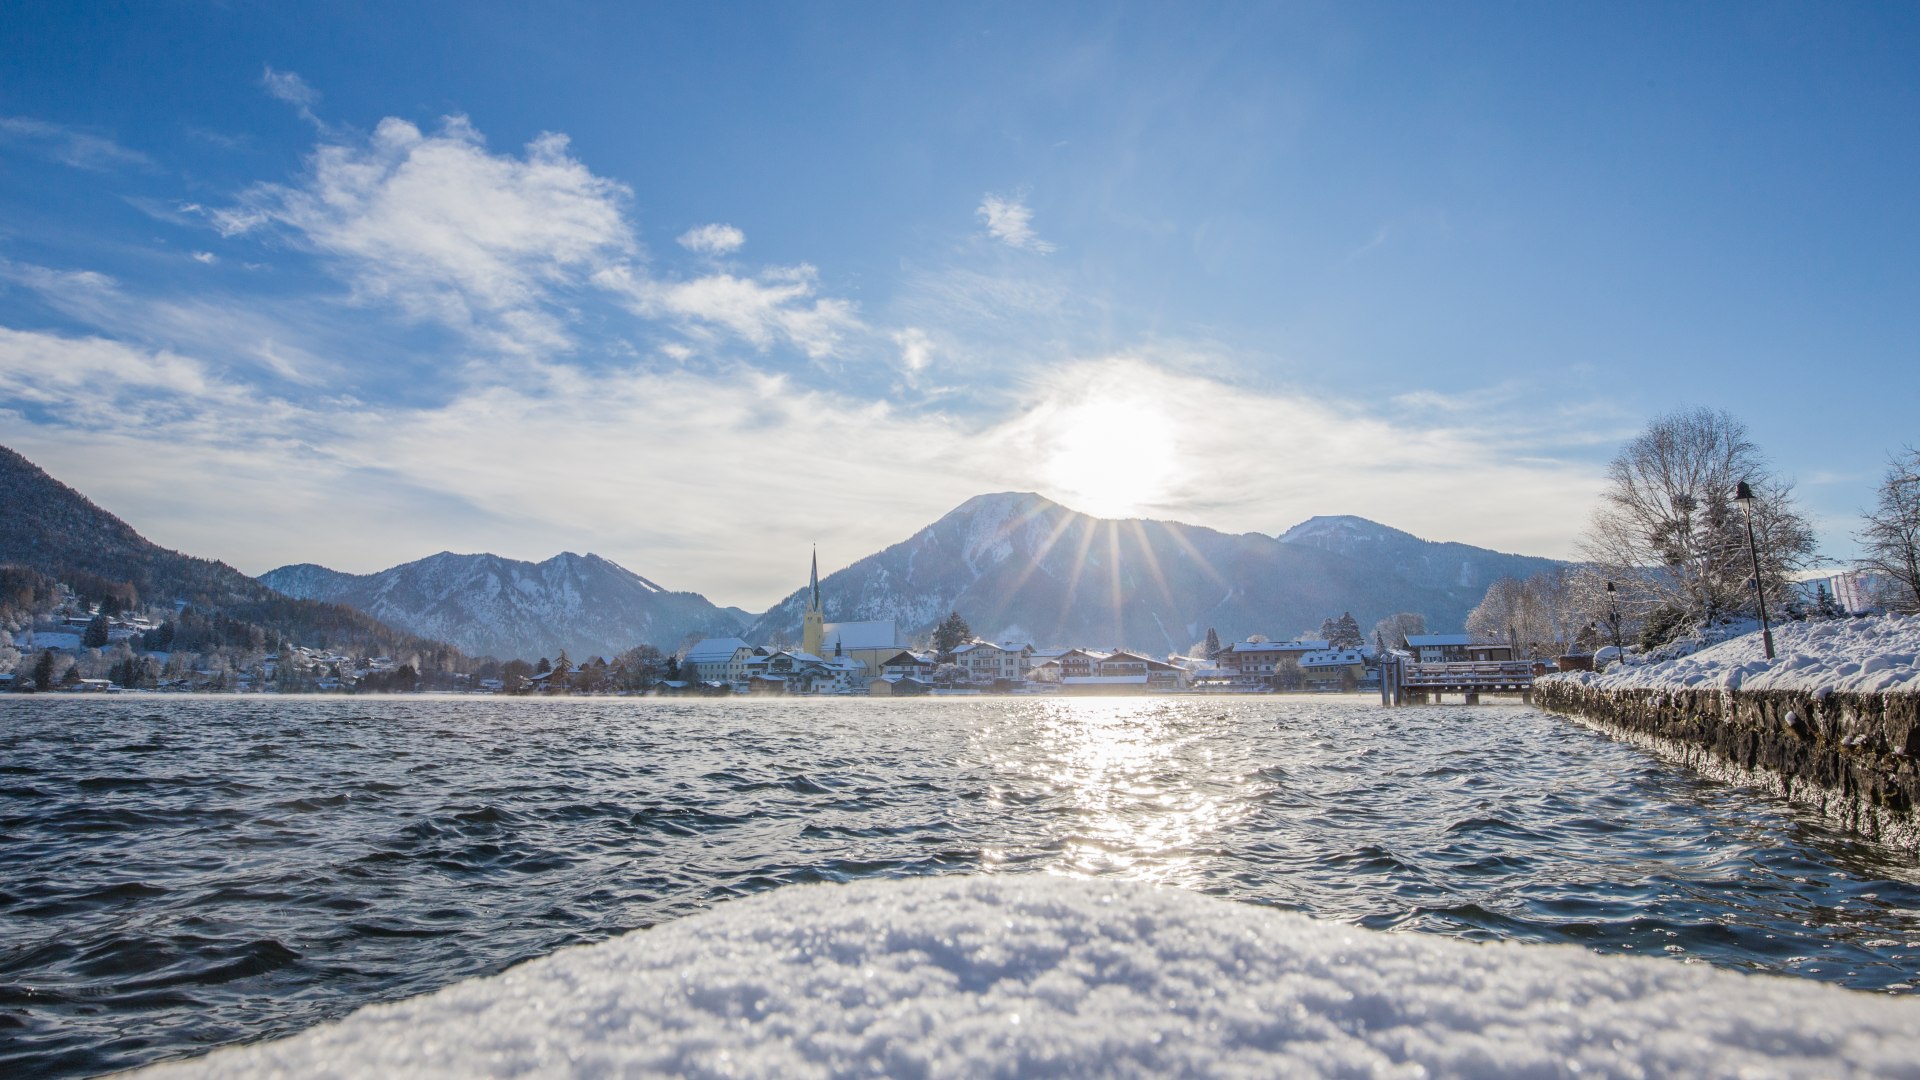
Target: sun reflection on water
[(1132, 785)]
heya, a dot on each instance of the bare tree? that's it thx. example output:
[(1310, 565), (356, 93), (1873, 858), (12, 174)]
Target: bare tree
[(1393, 629), (1890, 540), (1511, 613), (1667, 529)]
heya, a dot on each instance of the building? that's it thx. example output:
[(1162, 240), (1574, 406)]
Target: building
[(985, 662), (1334, 669), (719, 660), (1255, 664), (813, 623), (1454, 649)]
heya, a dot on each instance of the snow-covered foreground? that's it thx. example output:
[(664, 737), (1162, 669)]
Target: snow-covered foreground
[(1027, 975), (1866, 656)]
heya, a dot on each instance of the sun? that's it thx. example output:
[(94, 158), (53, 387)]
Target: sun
[(1110, 458)]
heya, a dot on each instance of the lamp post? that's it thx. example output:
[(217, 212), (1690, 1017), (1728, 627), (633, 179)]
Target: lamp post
[(1743, 495), (1613, 620)]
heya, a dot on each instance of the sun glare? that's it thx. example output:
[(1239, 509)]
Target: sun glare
[(1111, 458)]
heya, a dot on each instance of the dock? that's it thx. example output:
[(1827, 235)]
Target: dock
[(1407, 683)]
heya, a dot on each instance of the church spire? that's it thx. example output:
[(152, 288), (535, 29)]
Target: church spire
[(813, 623)]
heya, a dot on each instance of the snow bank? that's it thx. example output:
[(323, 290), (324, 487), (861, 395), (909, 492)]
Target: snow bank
[(1025, 975), (1865, 656)]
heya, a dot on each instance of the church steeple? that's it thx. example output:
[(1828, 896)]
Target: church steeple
[(813, 625)]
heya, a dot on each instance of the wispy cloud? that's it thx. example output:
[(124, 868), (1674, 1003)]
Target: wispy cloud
[(289, 87), (450, 231), (779, 306), (69, 146), (1010, 221), (713, 239)]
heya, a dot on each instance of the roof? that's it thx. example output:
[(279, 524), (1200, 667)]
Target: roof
[(1103, 680), (871, 634), (1279, 646), (1332, 658), (1435, 641), (714, 650)]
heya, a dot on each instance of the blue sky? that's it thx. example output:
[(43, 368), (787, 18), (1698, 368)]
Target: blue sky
[(694, 287)]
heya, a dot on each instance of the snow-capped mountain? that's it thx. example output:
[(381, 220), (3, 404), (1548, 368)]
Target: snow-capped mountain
[(1450, 567), (489, 605), (1019, 566)]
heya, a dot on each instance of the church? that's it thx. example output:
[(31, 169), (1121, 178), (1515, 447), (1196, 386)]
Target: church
[(871, 643)]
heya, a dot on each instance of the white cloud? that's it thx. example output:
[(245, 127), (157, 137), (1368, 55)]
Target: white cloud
[(451, 232), (1010, 221), (777, 307), (713, 239), (206, 257), (916, 349), (69, 146)]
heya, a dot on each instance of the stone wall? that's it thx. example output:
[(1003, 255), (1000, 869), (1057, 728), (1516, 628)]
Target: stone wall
[(1850, 757)]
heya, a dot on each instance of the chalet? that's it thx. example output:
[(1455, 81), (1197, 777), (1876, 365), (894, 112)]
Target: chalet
[(719, 660), (1253, 664), (985, 662), (1454, 649), (1333, 669), (1154, 674)]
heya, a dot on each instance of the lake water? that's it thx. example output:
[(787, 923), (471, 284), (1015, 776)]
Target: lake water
[(180, 873)]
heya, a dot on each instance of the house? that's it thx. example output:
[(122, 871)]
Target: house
[(1334, 669), (1454, 649), (794, 671), (1155, 674), (719, 660), (904, 663), (1256, 664), (986, 662), (897, 686)]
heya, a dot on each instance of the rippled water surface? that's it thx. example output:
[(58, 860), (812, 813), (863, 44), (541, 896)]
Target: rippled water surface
[(179, 873)]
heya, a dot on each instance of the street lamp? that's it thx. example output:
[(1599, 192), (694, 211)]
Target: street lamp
[(1613, 620), (1743, 495)]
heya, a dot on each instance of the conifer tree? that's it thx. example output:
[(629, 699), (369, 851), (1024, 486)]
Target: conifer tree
[(951, 633), (1213, 641)]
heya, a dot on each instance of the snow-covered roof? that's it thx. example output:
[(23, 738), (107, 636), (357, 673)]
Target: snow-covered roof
[(1332, 658), (1278, 646), (715, 650), (1437, 641), (1104, 680), (871, 634)]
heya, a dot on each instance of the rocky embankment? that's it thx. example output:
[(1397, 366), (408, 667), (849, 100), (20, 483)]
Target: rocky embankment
[(1849, 756), (1832, 721)]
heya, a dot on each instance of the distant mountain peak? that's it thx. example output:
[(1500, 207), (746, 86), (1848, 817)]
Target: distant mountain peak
[(1322, 530)]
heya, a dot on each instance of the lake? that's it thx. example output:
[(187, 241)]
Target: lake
[(179, 873)]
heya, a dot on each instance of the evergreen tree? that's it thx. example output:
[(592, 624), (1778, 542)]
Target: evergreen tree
[(1346, 633), (1213, 641), (952, 632), (96, 635), (543, 666), (43, 671)]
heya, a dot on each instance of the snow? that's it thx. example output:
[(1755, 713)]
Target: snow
[(1862, 656), (1034, 975)]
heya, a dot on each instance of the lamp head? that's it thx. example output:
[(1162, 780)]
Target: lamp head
[(1743, 495), (1609, 587)]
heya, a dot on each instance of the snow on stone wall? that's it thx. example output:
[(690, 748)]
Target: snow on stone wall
[(1867, 656), (1033, 975)]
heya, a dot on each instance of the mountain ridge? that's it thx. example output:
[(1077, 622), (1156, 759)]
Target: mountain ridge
[(491, 605), (1015, 564)]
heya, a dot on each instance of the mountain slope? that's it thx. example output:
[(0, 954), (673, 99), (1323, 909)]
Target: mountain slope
[(53, 529), (489, 605), (1018, 565), (1459, 569)]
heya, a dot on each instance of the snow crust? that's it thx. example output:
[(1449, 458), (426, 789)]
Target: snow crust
[(1028, 975), (1865, 656)]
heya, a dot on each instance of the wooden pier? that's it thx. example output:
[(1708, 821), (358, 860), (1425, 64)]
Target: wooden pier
[(1406, 683)]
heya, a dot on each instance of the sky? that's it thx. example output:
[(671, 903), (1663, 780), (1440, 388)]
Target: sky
[(697, 287)]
